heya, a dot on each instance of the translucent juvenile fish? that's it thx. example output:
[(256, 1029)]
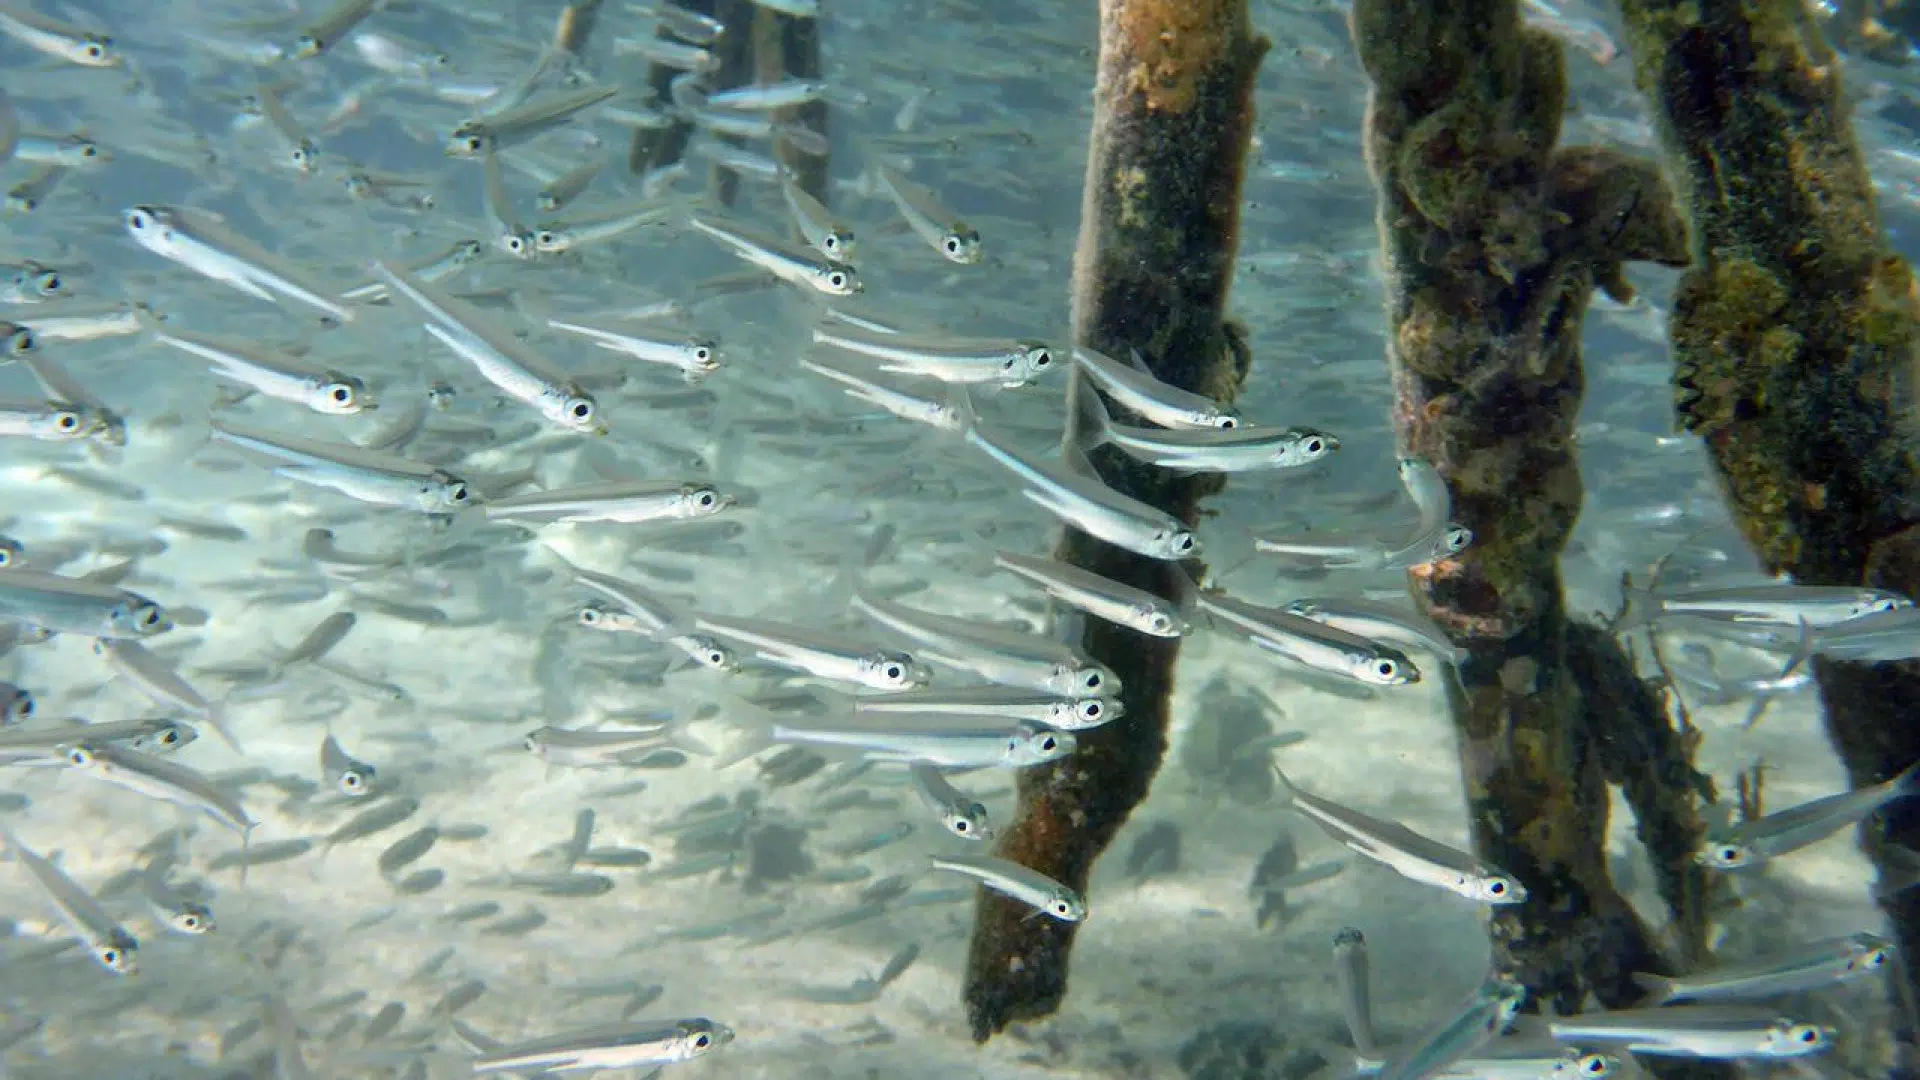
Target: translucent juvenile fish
[(821, 230), (1069, 713), (1805, 967), (497, 355), (508, 127), (1030, 887), (817, 652), (29, 194), (595, 748), (938, 412), (766, 97), (1378, 621), (623, 502), (997, 654), (600, 1049), (160, 681), (1696, 1031), (98, 421), (32, 282), (797, 266), (463, 253), (57, 39), (407, 850), (332, 27), (1478, 1020), (1351, 975), (381, 816), (1406, 852), (555, 194), (204, 244), (16, 704), (370, 477), (1102, 597), (1752, 843), (73, 150), (947, 742), (345, 773), (272, 372), (1008, 363), (509, 235), (1241, 448), (1782, 604), (83, 322), (298, 150), (45, 421), (654, 618), (112, 946), (65, 605), (159, 778), (961, 814), (695, 357), (1314, 644), (940, 227), (44, 745), (553, 239)]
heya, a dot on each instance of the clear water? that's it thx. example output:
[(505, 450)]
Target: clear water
[(987, 103)]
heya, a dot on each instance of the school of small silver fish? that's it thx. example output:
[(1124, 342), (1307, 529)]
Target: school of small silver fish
[(469, 609)]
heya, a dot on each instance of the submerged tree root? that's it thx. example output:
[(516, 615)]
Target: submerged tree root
[(1794, 344), (1174, 119), (1494, 241)]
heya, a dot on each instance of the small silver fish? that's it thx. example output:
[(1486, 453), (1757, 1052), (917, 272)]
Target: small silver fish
[(1806, 967), (112, 946), (57, 39), (1752, 843), (606, 1048), (819, 653), (203, 243), (65, 605), (695, 357), (1703, 1031), (345, 773), (272, 372), (1072, 713), (370, 477), (962, 814), (798, 266), (821, 230), (941, 228), (1026, 885), (1406, 852), (994, 653), (1135, 388), (624, 502), (1103, 597), (1008, 363), (1478, 1020), (498, 130)]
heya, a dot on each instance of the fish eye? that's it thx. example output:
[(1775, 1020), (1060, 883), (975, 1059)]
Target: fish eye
[(1496, 887), (66, 421), (831, 243), (716, 658), (580, 409), (1159, 621), (79, 756), (190, 922), (1062, 909), (706, 499), (169, 737), (24, 341), (341, 395), (953, 245), (1595, 1065), (460, 493), (1226, 423), (473, 144), (110, 957), (50, 283), (1090, 710), (1873, 960), (1091, 680), (1184, 542), (961, 825), (94, 50), (1041, 358), (589, 616), (1315, 446), (837, 280), (1727, 855), (546, 238), (1458, 538), (1049, 744), (1808, 1035), (701, 1042), (150, 615), (893, 672), (702, 354), (1386, 669), (531, 744), (136, 219), (351, 781)]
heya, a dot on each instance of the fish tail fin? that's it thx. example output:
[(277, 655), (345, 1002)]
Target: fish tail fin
[(217, 720), (1639, 607), (964, 415), (1658, 988), (755, 728), (1092, 422), (1186, 589)]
